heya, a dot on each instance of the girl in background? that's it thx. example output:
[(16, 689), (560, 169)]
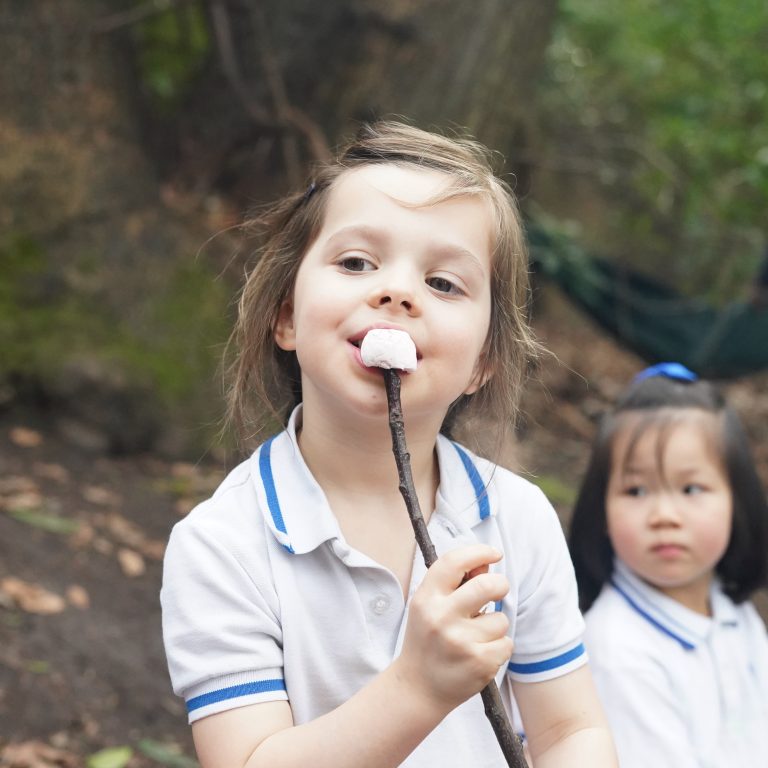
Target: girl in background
[(669, 538)]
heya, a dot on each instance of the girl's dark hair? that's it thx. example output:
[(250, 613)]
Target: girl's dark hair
[(744, 566)]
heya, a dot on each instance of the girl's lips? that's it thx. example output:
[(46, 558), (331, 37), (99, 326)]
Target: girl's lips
[(667, 551)]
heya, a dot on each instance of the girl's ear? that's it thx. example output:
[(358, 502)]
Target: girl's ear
[(284, 332), (481, 375)]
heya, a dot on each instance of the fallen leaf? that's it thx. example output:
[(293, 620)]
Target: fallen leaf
[(131, 562), (184, 506), (153, 549), (112, 757), (103, 546), (78, 597), (51, 471), (83, 536), (31, 499), (25, 437), (35, 754), (96, 494), (122, 529), (32, 598), (17, 484)]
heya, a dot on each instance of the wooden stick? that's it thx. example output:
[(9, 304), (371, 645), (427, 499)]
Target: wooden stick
[(494, 709)]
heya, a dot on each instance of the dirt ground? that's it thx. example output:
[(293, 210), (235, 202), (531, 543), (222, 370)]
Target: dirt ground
[(83, 679)]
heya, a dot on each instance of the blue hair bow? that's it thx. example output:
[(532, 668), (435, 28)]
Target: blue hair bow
[(676, 371)]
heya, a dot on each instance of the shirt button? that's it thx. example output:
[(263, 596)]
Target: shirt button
[(380, 604)]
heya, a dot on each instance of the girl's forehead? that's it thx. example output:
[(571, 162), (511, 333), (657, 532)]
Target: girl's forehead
[(403, 183), (388, 197), (650, 434)]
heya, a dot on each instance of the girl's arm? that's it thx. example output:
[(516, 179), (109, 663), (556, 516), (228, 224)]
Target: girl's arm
[(449, 653), (564, 722), (379, 726)]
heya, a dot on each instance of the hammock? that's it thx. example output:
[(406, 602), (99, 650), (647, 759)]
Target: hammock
[(651, 319)]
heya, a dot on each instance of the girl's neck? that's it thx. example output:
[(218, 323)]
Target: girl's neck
[(354, 455)]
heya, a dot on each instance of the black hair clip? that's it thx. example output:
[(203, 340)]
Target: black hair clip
[(675, 371)]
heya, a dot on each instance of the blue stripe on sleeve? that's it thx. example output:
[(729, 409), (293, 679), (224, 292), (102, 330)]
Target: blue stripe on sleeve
[(477, 482), (233, 692), (547, 664)]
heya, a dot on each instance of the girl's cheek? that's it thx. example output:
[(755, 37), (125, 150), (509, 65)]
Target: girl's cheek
[(623, 535)]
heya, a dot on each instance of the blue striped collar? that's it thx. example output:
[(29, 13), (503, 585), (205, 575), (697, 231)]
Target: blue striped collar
[(668, 616), (300, 517)]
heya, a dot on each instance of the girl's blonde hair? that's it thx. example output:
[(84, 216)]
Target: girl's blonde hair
[(264, 381)]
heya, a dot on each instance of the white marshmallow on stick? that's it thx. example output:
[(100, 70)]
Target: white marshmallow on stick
[(389, 348)]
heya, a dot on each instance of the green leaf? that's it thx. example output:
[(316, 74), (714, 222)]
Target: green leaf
[(166, 754), (112, 757), (50, 523)]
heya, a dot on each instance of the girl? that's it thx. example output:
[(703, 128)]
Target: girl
[(669, 537), (300, 625)]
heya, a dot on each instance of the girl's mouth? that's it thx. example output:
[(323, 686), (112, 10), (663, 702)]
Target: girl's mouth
[(667, 551)]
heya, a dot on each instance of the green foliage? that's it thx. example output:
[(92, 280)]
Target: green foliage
[(172, 48), (44, 324), (112, 757), (166, 754), (670, 103)]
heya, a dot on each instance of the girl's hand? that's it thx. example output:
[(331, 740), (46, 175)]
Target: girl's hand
[(451, 651)]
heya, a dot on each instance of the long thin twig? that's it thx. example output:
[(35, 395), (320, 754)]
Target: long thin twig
[(494, 709)]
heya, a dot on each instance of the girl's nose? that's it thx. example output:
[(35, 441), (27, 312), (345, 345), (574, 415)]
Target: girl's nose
[(664, 511), (395, 298)]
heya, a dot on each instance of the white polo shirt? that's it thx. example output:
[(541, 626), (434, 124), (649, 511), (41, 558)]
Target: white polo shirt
[(680, 690), (264, 600)]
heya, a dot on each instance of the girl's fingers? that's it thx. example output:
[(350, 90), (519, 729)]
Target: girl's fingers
[(450, 569), (474, 594), (475, 572), (489, 627)]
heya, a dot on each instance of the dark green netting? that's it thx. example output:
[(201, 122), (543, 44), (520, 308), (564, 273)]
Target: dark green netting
[(649, 318)]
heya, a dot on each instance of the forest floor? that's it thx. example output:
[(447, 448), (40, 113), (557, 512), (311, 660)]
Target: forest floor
[(83, 680)]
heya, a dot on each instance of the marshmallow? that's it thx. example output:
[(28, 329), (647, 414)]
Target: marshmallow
[(388, 348)]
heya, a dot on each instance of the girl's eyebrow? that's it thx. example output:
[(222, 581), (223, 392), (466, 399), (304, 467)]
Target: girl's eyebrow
[(447, 250), (363, 231)]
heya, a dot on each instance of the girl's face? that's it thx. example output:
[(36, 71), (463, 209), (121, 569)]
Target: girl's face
[(669, 505), (383, 259)]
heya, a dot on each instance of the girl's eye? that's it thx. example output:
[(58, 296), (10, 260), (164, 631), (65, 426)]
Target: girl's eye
[(636, 490), (693, 488), (356, 264), (443, 285)]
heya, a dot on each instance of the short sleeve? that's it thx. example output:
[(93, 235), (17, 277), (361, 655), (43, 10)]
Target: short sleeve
[(221, 626), (548, 624)]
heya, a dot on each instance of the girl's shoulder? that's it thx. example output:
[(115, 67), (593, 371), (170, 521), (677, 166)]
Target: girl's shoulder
[(229, 516), (617, 636), (496, 479)]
